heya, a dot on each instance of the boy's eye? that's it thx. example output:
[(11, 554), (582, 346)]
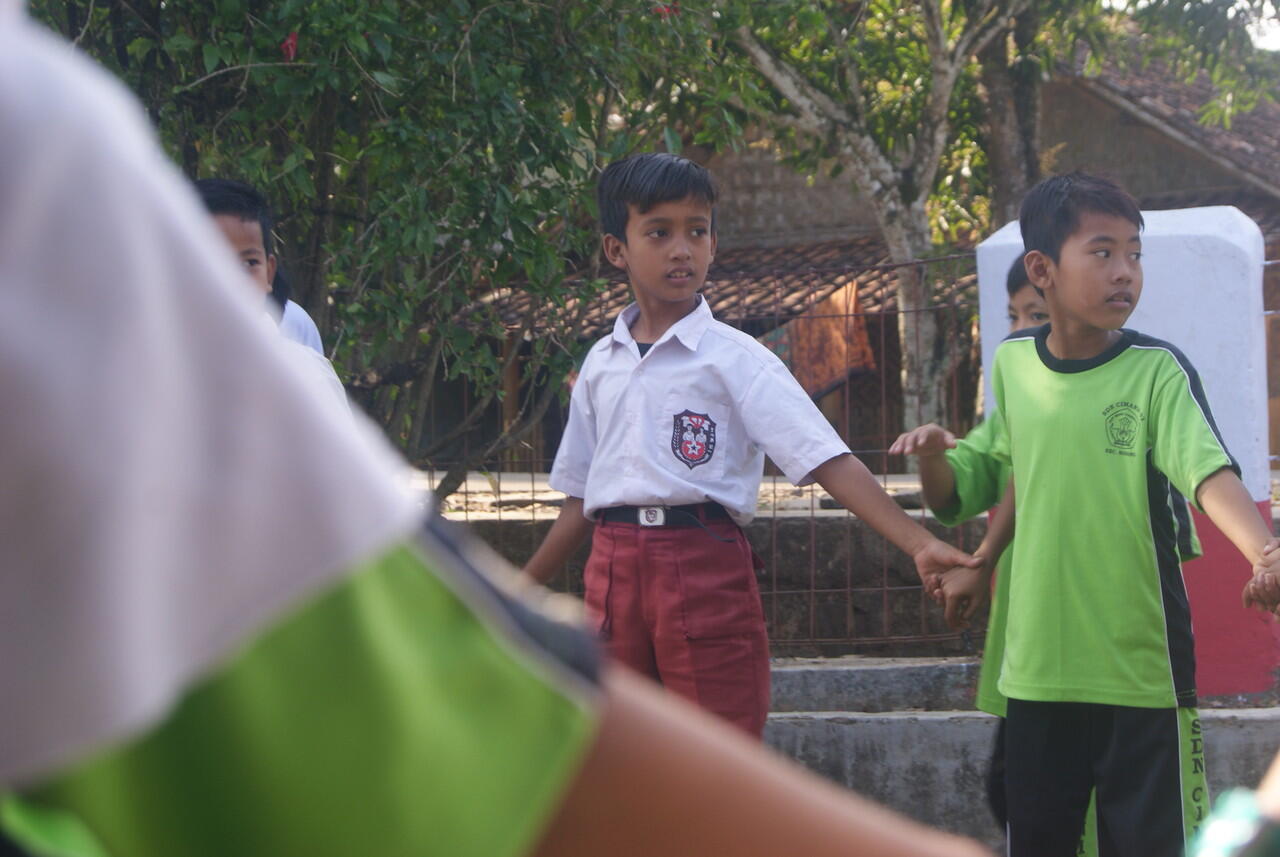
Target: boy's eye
[(657, 233), (1102, 254), (1136, 255), (699, 231), (1039, 316), (1013, 318)]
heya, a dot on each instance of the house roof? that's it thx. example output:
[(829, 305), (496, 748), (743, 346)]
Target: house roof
[(1172, 104), (763, 288), (1264, 209)]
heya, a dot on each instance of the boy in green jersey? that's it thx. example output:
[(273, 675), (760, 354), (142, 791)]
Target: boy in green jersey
[(1096, 423), (961, 479)]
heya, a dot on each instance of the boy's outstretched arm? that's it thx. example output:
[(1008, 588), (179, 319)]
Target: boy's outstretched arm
[(1228, 504), (565, 537), (929, 444), (655, 783), (847, 480)]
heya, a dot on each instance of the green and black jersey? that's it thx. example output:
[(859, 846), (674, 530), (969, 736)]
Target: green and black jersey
[(420, 706), (980, 479), (1097, 607)]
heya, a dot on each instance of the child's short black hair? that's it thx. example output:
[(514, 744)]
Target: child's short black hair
[(224, 196), (645, 181), (1051, 210), (1017, 280)]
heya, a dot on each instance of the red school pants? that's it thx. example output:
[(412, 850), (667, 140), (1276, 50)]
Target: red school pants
[(676, 604)]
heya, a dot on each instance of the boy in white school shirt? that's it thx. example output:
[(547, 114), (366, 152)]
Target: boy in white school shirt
[(243, 217), (669, 423)]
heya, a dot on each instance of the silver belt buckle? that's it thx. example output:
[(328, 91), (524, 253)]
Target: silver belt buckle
[(651, 516)]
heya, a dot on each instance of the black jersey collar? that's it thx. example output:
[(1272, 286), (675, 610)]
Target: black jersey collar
[(1058, 365)]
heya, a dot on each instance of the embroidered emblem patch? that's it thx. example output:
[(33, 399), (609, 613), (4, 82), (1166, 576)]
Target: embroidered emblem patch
[(693, 438), (1123, 422)]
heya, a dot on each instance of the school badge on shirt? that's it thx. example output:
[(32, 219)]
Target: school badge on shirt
[(693, 438)]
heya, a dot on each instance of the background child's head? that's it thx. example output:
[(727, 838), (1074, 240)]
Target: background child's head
[(244, 218), (1026, 305), (1052, 209), (643, 181)]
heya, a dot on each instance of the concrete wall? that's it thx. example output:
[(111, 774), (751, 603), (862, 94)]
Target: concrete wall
[(1078, 130), (931, 765), (765, 203)]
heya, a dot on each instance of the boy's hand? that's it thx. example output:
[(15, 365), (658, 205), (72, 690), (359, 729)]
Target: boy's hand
[(964, 590), (928, 439), (1263, 590), (937, 557)]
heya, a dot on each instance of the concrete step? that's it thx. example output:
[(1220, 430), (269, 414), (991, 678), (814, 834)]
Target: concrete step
[(931, 765), (854, 683)]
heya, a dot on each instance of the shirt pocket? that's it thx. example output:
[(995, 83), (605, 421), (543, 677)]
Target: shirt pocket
[(693, 434)]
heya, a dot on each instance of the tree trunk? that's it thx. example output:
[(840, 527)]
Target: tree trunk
[(926, 357), (1011, 95)]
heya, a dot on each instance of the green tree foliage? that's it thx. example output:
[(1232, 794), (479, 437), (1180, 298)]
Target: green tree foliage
[(931, 107), (431, 164), (1214, 36), (873, 88), (1191, 37)]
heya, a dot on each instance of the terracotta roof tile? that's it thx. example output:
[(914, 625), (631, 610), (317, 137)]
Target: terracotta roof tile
[(1264, 209), (1252, 143), (760, 289)]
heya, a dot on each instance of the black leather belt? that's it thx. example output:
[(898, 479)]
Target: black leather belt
[(665, 516)]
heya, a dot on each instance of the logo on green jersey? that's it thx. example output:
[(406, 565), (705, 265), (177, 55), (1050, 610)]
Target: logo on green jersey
[(1123, 422)]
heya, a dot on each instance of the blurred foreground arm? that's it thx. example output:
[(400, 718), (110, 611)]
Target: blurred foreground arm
[(663, 778)]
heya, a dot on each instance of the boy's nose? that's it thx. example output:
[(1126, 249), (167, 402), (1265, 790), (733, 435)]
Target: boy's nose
[(1126, 270), (680, 249)]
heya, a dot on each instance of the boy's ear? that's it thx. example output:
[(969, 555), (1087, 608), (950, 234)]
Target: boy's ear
[(615, 250), (271, 268), (1039, 269)]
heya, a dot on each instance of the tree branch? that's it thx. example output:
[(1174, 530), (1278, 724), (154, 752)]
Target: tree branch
[(935, 29), (232, 68), (88, 19), (818, 115), (988, 20), (816, 110), (994, 21)]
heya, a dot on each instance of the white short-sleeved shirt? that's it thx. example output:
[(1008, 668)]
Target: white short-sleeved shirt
[(297, 326), (136, 557), (691, 421)]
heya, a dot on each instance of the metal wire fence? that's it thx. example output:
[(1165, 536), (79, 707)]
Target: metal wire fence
[(831, 585)]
